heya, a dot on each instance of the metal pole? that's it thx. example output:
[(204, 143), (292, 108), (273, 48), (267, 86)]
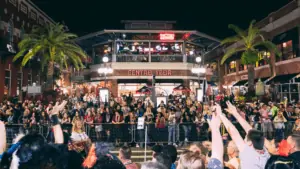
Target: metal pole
[(145, 153), (105, 80)]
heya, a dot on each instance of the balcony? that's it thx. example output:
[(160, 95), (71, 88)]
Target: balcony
[(154, 58)]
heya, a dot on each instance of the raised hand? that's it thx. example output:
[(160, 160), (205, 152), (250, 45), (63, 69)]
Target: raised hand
[(231, 108), (57, 108), (215, 122)]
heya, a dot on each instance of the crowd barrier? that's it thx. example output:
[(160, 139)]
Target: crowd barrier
[(129, 133)]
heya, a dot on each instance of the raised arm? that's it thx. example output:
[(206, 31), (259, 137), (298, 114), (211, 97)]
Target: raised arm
[(58, 133), (246, 126), (232, 110), (2, 137), (233, 132), (217, 142)]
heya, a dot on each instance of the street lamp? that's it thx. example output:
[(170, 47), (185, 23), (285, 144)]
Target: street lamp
[(198, 59), (198, 69), (105, 71), (105, 59)]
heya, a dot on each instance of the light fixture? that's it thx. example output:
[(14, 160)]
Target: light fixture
[(198, 59), (105, 70), (124, 35), (284, 44), (198, 70), (105, 59)]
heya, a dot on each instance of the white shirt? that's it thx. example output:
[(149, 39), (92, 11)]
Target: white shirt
[(251, 159), (77, 137)]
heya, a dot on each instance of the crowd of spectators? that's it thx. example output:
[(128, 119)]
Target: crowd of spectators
[(256, 135)]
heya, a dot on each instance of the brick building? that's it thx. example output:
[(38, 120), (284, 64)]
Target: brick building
[(16, 18), (282, 27)]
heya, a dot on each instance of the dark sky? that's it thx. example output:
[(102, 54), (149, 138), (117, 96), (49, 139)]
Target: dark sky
[(208, 16)]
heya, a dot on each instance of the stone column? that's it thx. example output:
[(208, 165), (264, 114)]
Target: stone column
[(114, 87)]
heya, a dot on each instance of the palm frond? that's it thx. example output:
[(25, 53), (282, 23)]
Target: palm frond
[(238, 31), (232, 39), (270, 46), (230, 52)]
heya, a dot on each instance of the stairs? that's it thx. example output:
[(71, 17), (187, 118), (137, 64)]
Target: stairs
[(138, 154)]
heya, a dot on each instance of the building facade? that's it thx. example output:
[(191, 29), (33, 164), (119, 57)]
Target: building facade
[(142, 50), (282, 27), (16, 18)]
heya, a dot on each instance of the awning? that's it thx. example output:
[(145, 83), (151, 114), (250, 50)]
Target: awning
[(241, 83), (245, 82), (282, 79)]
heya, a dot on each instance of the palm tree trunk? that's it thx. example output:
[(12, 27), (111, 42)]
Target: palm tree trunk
[(251, 77), (50, 72)]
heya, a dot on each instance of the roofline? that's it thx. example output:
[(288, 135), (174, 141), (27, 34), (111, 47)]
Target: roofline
[(149, 21), (147, 31), (39, 10)]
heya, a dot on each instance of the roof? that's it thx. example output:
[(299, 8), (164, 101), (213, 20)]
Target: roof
[(147, 21), (105, 36)]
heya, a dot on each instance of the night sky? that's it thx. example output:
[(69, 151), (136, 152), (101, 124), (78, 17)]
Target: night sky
[(208, 16)]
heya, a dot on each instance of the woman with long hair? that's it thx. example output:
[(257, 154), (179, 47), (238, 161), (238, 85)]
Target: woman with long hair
[(80, 141)]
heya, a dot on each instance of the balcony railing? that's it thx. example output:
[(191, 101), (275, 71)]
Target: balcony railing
[(167, 58), (133, 58)]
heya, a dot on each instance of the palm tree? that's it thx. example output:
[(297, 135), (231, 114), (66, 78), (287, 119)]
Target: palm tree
[(53, 46), (248, 42)]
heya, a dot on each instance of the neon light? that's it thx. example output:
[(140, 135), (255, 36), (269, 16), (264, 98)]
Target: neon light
[(167, 36)]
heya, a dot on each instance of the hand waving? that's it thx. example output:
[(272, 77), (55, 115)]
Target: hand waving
[(231, 108), (215, 122), (57, 108)]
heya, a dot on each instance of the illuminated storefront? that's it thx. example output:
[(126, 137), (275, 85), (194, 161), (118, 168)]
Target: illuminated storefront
[(145, 49)]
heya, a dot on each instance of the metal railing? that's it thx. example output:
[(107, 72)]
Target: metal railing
[(128, 133)]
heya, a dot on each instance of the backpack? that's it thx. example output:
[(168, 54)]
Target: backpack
[(280, 162)]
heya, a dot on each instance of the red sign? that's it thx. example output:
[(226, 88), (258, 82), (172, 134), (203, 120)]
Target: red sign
[(167, 36), (149, 72)]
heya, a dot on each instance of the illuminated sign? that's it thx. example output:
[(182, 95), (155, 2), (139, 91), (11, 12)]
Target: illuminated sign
[(149, 72), (167, 36)]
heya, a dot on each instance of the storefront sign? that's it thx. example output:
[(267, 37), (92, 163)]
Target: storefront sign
[(167, 36), (149, 72)]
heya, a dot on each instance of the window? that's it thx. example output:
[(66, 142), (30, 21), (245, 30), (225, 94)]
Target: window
[(14, 2), (232, 67), (7, 82), (19, 82), (33, 15), (23, 8), (30, 78), (262, 56), (286, 48)]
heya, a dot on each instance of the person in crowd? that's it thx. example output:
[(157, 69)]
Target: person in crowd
[(233, 154), (66, 119), (98, 123), (253, 153), (190, 160), (125, 157), (153, 165), (170, 151), (267, 126), (172, 128), (80, 141), (163, 159), (279, 125), (107, 120), (186, 121), (118, 120)]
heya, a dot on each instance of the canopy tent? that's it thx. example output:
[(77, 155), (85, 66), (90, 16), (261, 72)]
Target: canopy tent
[(144, 90), (182, 88)]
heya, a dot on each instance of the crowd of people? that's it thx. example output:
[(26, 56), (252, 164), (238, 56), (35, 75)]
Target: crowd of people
[(257, 135)]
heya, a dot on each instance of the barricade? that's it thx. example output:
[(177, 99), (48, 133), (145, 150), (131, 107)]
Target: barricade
[(128, 133)]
